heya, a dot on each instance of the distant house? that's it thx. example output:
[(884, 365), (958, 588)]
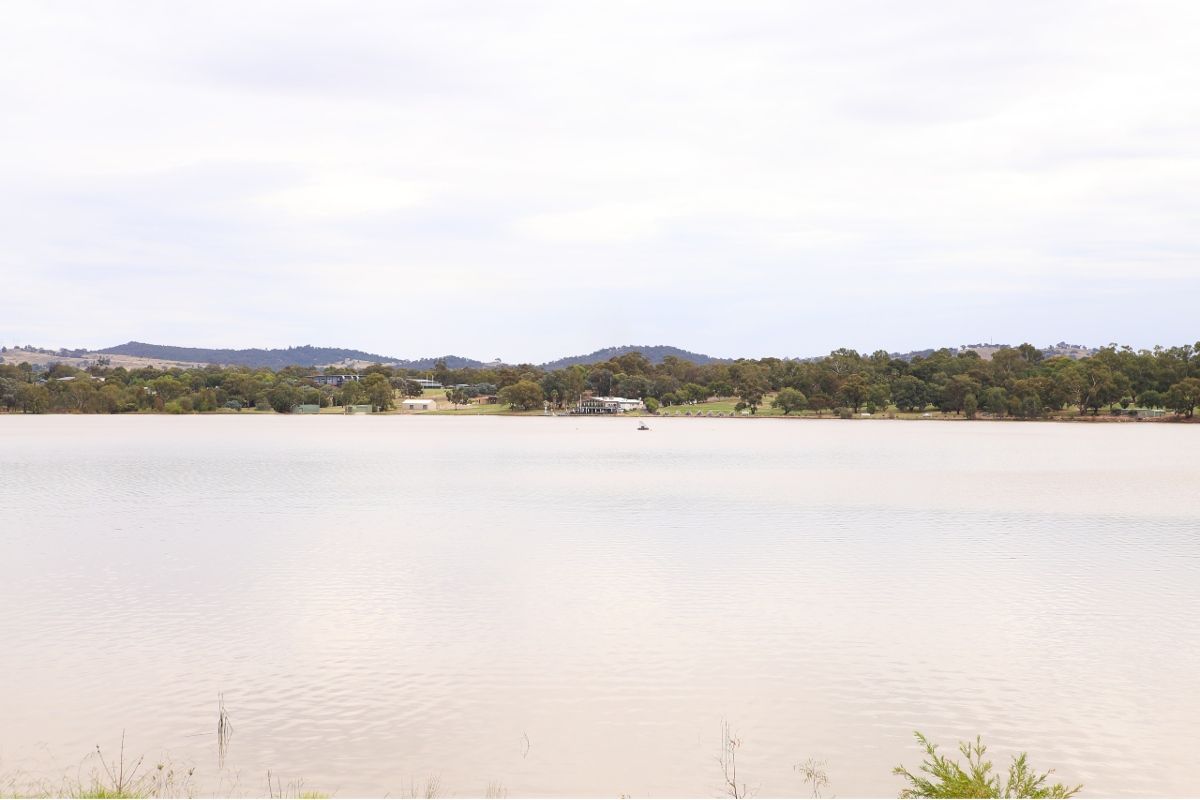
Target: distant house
[(359, 409), (608, 405), (306, 408), (333, 380), (418, 404), (425, 383)]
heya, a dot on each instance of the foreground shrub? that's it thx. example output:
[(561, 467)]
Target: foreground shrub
[(946, 778)]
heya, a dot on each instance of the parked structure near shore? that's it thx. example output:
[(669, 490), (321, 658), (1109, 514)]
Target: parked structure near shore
[(333, 380), (418, 404), (608, 405)]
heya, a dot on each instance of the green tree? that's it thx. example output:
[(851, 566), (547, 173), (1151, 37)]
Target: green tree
[(379, 391), (970, 406), (910, 393), (1151, 398), (943, 777), (522, 395), (353, 393), (563, 386), (751, 384), (819, 401), (954, 392), (406, 387), (601, 381), (168, 388), (879, 397), (1030, 407), (995, 401), (283, 397), (634, 386), (8, 392), (1095, 385), (33, 398), (789, 400), (1184, 396), (750, 397), (855, 391)]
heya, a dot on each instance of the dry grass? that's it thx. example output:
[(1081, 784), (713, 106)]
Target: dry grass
[(432, 788)]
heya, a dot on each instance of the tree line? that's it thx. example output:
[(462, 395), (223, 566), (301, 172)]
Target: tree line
[(1016, 381)]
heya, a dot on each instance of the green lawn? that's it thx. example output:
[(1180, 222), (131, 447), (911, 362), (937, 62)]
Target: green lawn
[(723, 406), (444, 407)]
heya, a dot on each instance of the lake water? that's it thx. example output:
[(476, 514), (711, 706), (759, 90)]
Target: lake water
[(571, 607)]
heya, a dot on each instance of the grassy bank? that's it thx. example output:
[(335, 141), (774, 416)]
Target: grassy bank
[(937, 775)]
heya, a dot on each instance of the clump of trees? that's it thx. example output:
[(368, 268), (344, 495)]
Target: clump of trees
[(789, 399), (522, 395), (1017, 382)]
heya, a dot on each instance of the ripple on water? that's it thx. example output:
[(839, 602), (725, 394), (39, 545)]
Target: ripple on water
[(567, 610)]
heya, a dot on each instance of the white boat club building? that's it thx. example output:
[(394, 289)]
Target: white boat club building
[(333, 380), (608, 405), (418, 404)]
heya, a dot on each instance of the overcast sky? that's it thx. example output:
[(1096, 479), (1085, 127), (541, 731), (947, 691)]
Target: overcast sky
[(530, 180)]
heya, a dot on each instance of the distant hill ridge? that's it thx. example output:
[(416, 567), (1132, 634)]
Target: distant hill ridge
[(655, 354), (987, 349), (310, 356), (276, 358)]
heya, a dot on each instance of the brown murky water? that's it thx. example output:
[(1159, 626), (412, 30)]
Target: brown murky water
[(571, 607)]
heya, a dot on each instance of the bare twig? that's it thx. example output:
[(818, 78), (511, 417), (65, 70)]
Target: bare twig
[(120, 781), (814, 775), (728, 761), (224, 730)]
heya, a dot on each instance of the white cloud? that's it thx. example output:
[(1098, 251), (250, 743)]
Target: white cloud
[(777, 178), (345, 195), (600, 225)]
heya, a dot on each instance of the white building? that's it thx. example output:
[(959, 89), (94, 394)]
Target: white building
[(418, 404), (608, 405)]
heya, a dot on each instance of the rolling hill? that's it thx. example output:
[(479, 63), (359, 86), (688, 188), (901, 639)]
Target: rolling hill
[(304, 356), (653, 353), (310, 356)]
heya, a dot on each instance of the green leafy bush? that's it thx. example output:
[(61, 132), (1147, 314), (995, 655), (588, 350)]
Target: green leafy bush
[(943, 777)]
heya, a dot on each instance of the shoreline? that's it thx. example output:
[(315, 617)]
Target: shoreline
[(1169, 419)]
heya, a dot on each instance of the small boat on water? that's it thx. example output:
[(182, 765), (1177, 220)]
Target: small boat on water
[(643, 427)]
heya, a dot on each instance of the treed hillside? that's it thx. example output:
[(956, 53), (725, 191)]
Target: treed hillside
[(278, 358), (655, 354), (986, 350), (1017, 382), (309, 356)]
